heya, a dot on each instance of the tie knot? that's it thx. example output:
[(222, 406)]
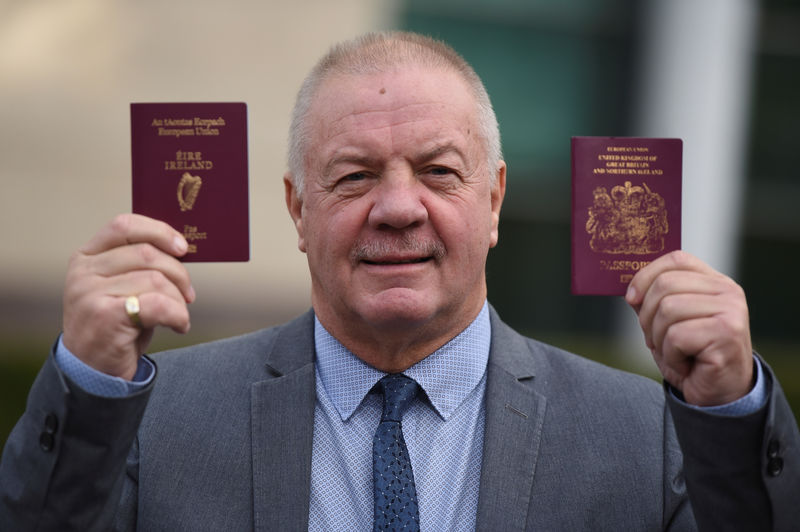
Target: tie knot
[(398, 392)]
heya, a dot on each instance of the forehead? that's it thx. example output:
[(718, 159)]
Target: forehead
[(408, 101)]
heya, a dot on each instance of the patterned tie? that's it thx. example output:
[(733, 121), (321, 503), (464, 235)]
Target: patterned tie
[(393, 481)]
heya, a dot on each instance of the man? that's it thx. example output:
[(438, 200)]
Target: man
[(395, 187)]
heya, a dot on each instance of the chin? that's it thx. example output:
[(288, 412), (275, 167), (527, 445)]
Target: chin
[(399, 307)]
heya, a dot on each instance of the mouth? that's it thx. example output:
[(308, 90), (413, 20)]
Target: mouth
[(395, 262), (401, 250)]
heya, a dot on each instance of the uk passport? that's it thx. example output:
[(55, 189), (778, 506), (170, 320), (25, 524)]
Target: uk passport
[(189, 165), (626, 208)]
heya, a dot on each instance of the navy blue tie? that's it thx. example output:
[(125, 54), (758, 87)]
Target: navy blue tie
[(393, 481)]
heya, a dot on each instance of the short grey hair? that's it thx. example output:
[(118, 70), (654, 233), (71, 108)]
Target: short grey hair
[(378, 52)]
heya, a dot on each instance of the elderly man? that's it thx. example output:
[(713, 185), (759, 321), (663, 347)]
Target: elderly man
[(401, 401)]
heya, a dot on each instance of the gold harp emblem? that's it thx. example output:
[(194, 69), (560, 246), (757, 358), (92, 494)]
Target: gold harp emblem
[(188, 188), (632, 219)]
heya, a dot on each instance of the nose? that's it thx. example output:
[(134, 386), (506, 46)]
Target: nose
[(398, 202)]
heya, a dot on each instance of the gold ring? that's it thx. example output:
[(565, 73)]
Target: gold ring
[(132, 309)]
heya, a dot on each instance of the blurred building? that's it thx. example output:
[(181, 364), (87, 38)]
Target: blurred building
[(722, 74), (70, 68), (68, 72)]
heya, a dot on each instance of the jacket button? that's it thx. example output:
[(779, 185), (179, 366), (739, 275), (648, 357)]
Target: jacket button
[(46, 441), (47, 438), (51, 424), (775, 466)]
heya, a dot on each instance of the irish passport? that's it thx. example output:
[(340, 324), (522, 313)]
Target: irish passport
[(626, 208), (189, 163)]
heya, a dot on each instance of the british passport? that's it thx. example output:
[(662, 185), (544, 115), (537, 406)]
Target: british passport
[(626, 208), (189, 163)]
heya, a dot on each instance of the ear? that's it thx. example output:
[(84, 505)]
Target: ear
[(497, 194), (295, 206)]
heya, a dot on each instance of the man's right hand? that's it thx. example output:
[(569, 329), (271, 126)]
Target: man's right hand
[(132, 255)]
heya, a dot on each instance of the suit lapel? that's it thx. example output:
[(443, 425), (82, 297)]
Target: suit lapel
[(514, 419), (282, 415)]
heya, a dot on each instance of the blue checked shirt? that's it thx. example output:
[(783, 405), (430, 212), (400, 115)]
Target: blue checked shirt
[(444, 433)]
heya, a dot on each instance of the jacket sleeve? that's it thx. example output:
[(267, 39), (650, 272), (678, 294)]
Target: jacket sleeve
[(742, 473), (63, 466)]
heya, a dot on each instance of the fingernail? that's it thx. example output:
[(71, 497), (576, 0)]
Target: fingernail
[(192, 293), (180, 244), (630, 295)]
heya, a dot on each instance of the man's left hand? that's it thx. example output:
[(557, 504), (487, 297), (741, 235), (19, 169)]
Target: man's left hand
[(696, 324)]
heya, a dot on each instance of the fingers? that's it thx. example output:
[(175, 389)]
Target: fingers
[(132, 255), (696, 323), (95, 304), (146, 257), (158, 309), (674, 261), (135, 228), (152, 284), (679, 295), (674, 309), (133, 242), (683, 339), (679, 287), (98, 330), (711, 377)]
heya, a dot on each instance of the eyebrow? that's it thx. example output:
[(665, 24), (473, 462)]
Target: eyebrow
[(438, 151), (361, 160), (371, 162)]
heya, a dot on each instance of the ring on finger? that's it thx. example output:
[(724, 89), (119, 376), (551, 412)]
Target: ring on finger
[(132, 310)]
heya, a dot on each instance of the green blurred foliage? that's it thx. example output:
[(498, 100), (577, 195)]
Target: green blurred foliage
[(19, 363)]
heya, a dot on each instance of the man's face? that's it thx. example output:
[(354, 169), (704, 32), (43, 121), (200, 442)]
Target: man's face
[(397, 213)]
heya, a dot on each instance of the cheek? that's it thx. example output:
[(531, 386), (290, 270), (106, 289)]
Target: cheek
[(331, 232), (470, 216), (465, 231)]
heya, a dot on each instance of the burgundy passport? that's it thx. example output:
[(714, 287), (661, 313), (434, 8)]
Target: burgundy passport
[(626, 208), (190, 170)]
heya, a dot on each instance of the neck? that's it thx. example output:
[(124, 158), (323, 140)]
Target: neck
[(395, 347)]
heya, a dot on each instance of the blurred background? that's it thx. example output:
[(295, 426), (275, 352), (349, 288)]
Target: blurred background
[(721, 74)]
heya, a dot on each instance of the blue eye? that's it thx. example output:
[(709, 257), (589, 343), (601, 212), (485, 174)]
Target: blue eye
[(356, 176), (440, 171)]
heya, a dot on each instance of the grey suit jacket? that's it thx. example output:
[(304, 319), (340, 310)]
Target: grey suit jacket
[(225, 440)]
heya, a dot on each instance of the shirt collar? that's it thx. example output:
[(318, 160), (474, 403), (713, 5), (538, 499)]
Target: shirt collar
[(447, 375)]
